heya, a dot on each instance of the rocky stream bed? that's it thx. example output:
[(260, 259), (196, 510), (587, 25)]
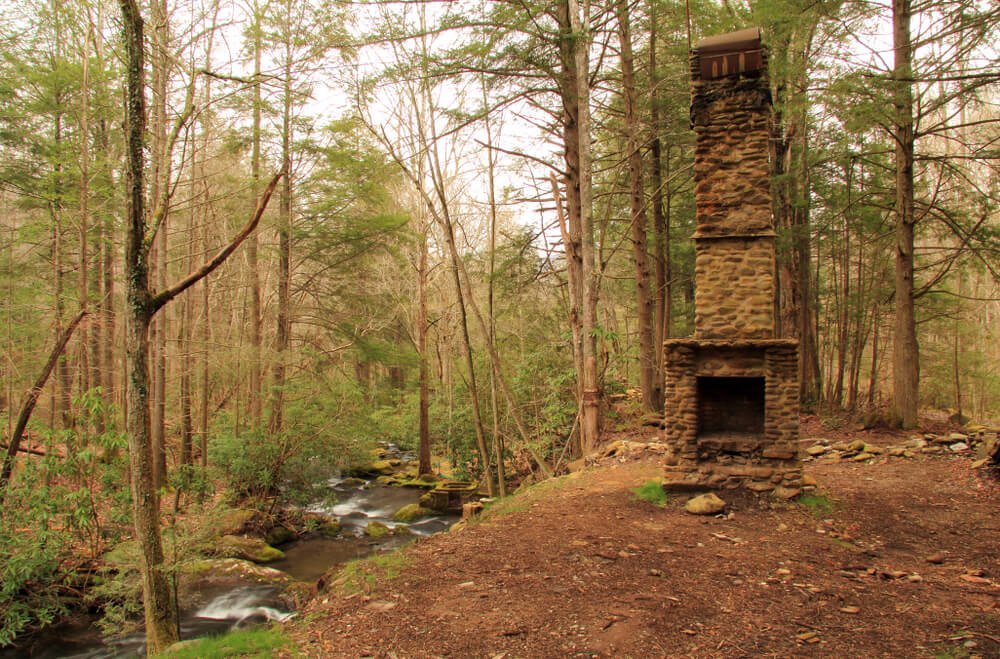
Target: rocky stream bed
[(367, 515)]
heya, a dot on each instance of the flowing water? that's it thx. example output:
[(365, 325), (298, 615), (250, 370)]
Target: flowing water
[(357, 504)]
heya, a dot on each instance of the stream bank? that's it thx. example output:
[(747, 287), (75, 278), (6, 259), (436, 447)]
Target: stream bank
[(228, 592)]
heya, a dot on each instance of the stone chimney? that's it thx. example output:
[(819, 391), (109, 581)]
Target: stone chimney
[(732, 390)]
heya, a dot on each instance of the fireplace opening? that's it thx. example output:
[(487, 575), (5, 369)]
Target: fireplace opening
[(731, 405)]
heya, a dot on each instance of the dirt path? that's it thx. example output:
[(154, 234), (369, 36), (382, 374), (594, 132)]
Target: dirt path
[(579, 568)]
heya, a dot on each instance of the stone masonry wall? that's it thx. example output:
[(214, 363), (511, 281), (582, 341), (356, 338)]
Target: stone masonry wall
[(731, 120), (734, 292), (734, 261)]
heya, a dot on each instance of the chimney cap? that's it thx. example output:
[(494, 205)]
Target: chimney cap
[(730, 54), (731, 42)]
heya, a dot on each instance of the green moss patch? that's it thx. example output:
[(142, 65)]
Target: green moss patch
[(651, 492), (364, 575), (817, 504), (259, 642), (247, 548)]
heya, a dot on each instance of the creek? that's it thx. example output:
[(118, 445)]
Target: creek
[(212, 609)]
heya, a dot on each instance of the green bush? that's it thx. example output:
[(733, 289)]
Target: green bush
[(29, 567), (324, 430), (59, 508)]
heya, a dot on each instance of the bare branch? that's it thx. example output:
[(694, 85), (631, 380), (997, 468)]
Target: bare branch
[(162, 298)]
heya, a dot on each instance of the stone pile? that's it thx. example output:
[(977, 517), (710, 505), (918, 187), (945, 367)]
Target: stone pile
[(983, 443)]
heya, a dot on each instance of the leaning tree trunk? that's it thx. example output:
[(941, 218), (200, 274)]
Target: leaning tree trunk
[(28, 406)]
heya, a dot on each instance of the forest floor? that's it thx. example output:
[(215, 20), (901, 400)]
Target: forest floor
[(905, 564)]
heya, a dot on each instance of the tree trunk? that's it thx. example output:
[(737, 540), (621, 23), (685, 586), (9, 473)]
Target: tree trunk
[(206, 337), (498, 448), (843, 317), (661, 221), (905, 354), (652, 391), (159, 188), (283, 336), (160, 611), (64, 395), (252, 261), (422, 328), (83, 276), (186, 319), (428, 137), (580, 98), (570, 224), (873, 373), (106, 235)]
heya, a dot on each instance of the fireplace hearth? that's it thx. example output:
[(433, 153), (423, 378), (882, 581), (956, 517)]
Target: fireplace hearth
[(731, 390)]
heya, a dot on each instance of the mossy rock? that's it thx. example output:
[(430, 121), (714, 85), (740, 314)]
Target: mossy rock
[(373, 468), (326, 526), (237, 520), (278, 535), (247, 548), (229, 570), (352, 481), (329, 528), (411, 512), (426, 481), (377, 530), (388, 481)]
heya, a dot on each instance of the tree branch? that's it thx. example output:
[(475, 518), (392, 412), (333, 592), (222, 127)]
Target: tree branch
[(162, 298)]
